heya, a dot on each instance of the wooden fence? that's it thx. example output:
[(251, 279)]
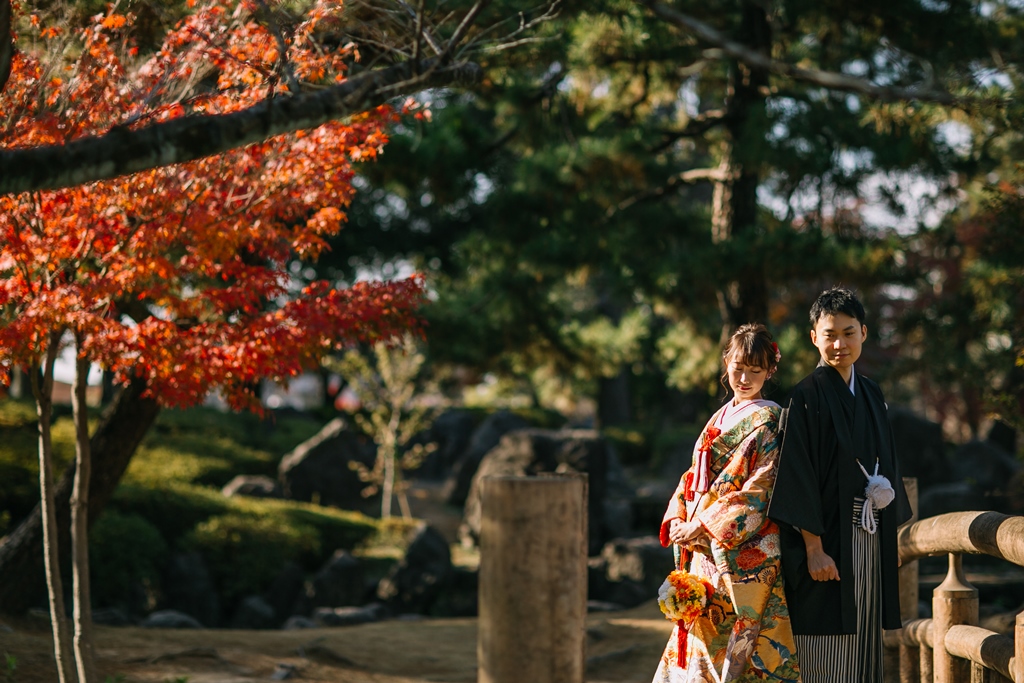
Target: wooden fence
[(951, 647)]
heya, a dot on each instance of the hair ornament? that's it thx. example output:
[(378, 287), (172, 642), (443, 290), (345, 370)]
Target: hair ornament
[(778, 354)]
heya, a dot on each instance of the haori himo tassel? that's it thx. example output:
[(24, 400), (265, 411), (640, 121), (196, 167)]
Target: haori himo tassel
[(877, 494)]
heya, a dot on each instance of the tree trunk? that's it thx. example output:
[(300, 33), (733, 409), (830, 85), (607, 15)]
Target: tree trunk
[(84, 659), (735, 209), (122, 427), (42, 388)]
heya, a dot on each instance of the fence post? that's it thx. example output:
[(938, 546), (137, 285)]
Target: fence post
[(1018, 650), (533, 579), (909, 656), (954, 602)]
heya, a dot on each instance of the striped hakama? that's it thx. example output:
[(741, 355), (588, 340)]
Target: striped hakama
[(855, 657)]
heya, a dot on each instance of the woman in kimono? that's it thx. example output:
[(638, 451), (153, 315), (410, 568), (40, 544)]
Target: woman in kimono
[(717, 521)]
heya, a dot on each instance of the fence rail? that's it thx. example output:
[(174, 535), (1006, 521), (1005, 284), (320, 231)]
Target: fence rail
[(951, 647)]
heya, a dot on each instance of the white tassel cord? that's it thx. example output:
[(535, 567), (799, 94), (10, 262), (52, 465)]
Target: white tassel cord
[(877, 495)]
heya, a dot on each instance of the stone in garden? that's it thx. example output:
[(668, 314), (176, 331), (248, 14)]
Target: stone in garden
[(530, 452), (985, 464), (484, 438), (319, 470), (451, 431), (341, 582), (254, 486), (349, 616), (296, 622), (642, 560), (460, 596), (188, 588), (169, 618), (920, 448), (416, 582), (254, 613), (285, 591)]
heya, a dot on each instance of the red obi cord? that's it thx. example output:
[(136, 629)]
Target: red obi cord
[(699, 481), (681, 642)]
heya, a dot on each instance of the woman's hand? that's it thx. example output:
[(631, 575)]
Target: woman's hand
[(684, 533)]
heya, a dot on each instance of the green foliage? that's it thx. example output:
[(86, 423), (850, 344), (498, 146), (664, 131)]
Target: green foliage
[(10, 667), (245, 553), (126, 554)]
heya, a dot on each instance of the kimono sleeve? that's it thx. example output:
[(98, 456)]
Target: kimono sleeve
[(676, 509), (796, 499), (737, 515)]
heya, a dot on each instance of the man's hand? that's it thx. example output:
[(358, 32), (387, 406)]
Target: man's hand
[(683, 533), (819, 563)]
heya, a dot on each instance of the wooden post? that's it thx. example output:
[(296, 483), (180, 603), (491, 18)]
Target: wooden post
[(1018, 650), (909, 656), (954, 601), (925, 664), (533, 579)]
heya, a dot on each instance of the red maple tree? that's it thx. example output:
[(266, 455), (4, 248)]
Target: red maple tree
[(181, 275)]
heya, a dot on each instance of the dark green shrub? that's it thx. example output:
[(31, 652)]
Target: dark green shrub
[(245, 553), (125, 555)]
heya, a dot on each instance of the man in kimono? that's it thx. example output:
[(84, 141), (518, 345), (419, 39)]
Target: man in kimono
[(838, 537)]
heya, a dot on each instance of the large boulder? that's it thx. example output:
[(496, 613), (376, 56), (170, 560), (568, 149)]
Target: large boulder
[(169, 618), (484, 438), (341, 582), (321, 468), (535, 451), (415, 583), (643, 560), (253, 613), (451, 432), (252, 485), (920, 448), (286, 591), (989, 470), (189, 588)]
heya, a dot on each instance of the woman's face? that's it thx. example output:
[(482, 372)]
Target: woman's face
[(745, 380)]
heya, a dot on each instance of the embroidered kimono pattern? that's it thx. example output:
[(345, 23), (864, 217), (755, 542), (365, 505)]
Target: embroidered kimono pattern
[(744, 634)]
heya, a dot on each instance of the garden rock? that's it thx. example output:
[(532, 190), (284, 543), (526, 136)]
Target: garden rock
[(319, 468), (169, 618), (285, 591), (484, 438), (460, 596), (985, 464), (254, 486), (349, 616), (296, 622), (920, 448), (451, 431), (254, 613), (188, 588), (530, 452), (641, 560), (339, 583), (958, 496), (414, 584)]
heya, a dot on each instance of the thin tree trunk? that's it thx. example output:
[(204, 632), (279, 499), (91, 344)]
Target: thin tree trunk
[(735, 208), (390, 447), (84, 658), (43, 391), (121, 429)]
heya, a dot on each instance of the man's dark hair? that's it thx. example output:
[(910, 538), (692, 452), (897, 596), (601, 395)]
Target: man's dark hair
[(837, 300)]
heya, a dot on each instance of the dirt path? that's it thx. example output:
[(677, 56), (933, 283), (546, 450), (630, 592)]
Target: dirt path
[(621, 646)]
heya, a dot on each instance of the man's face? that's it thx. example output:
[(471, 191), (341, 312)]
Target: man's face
[(839, 339)]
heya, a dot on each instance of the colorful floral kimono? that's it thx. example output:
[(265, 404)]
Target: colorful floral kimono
[(744, 634)]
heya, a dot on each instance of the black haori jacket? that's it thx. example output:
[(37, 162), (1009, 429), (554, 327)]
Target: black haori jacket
[(826, 429)]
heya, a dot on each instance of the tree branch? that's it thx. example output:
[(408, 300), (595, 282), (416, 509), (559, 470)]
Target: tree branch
[(6, 42), (123, 151), (694, 175), (825, 79)]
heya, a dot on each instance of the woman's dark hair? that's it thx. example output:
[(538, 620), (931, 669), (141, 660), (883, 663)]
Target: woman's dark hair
[(751, 344)]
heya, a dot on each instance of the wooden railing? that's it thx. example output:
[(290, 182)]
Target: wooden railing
[(951, 647)]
